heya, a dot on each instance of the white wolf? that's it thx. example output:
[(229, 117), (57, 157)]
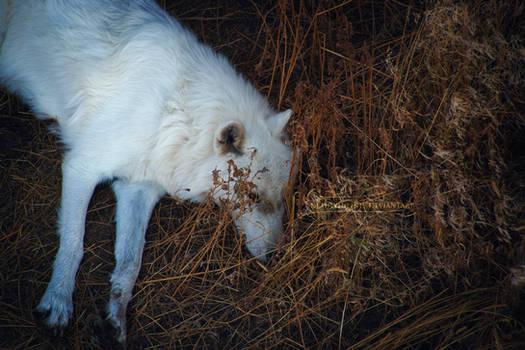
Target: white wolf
[(138, 100)]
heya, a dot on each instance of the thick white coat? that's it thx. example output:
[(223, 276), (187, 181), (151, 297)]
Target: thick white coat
[(138, 100)]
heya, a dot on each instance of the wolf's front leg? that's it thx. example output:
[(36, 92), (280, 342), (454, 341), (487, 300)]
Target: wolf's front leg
[(135, 202), (77, 187)]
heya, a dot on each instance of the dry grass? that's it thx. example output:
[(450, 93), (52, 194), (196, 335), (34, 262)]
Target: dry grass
[(405, 225)]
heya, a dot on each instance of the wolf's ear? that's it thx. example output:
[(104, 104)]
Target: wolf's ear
[(230, 138), (277, 123)]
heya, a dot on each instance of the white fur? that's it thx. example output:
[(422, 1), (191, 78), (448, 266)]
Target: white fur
[(137, 98), (3, 19)]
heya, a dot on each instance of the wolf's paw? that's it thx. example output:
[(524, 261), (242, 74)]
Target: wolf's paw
[(54, 312), (109, 334)]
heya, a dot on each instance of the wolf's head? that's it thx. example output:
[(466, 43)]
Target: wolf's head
[(259, 151)]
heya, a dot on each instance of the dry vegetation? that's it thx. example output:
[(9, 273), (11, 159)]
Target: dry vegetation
[(405, 225)]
